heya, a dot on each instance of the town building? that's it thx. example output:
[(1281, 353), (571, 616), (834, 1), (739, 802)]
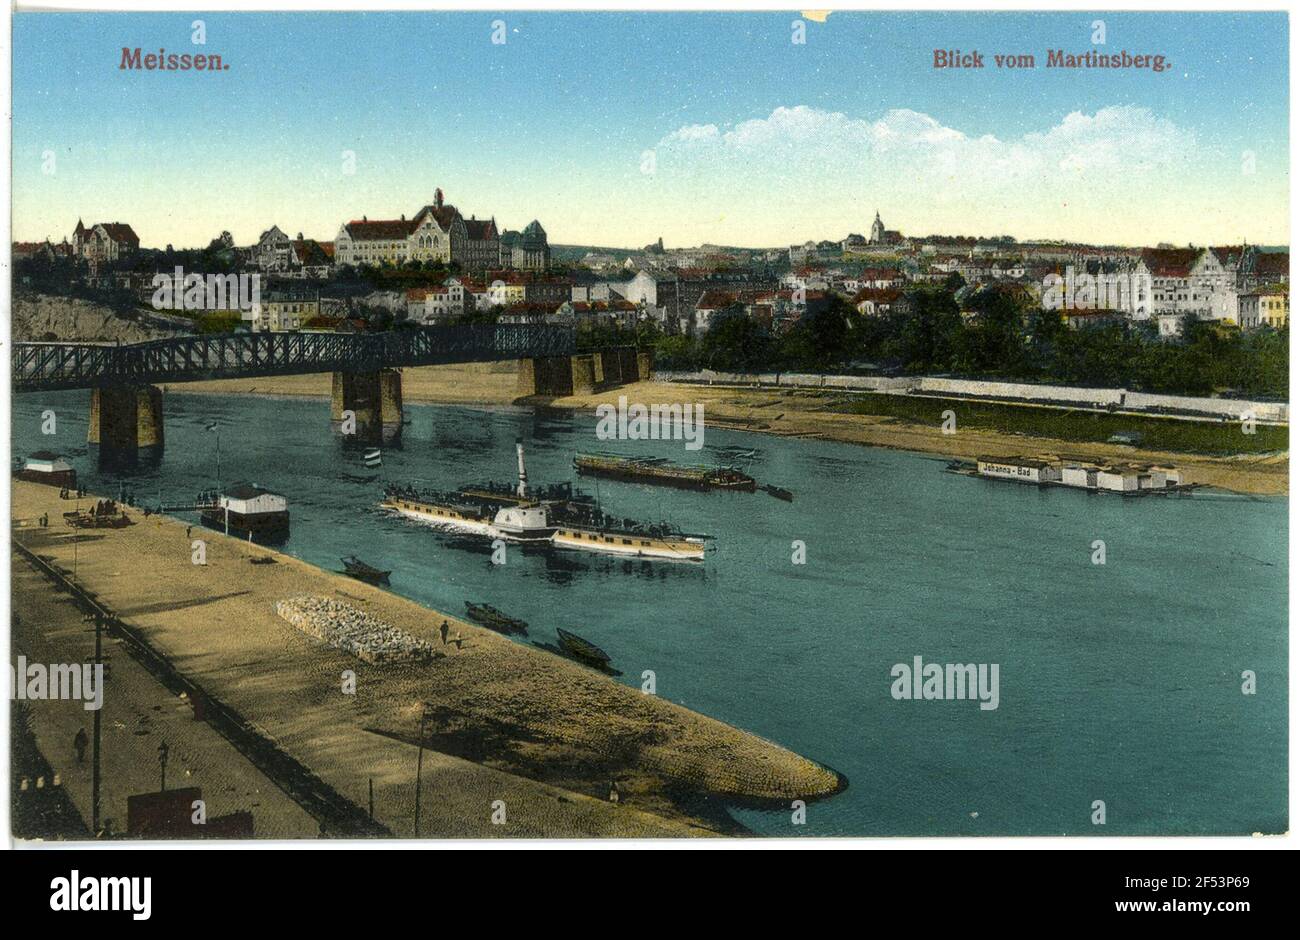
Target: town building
[(1263, 307), (431, 305), (437, 233), (284, 309), (277, 253), (875, 301), (104, 241), (527, 250)]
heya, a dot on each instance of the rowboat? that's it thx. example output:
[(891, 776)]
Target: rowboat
[(494, 619), (358, 569), (581, 649)]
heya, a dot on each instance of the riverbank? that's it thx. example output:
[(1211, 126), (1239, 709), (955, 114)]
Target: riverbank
[(795, 413), (520, 736)]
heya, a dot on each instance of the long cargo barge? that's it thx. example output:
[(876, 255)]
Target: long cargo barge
[(659, 471)]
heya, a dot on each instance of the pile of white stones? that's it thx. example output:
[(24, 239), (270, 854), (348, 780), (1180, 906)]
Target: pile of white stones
[(354, 631)]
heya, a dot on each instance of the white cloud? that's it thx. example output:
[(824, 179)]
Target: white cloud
[(1076, 173)]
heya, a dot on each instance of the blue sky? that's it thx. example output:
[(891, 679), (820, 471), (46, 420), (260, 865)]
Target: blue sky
[(753, 140)]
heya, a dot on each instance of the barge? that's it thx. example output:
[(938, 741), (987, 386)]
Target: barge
[(659, 471)]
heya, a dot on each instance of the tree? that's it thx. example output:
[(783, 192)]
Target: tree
[(737, 342), (928, 338)]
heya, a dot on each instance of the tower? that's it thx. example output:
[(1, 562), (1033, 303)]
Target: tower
[(877, 230)]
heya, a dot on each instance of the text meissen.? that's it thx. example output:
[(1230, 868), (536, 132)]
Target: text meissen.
[(163, 61)]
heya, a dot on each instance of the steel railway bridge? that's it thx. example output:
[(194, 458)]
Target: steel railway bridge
[(41, 367), (126, 415)]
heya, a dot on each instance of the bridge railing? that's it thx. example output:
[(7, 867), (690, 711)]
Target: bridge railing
[(41, 366)]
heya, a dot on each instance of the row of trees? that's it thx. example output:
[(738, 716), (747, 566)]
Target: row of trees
[(1001, 337)]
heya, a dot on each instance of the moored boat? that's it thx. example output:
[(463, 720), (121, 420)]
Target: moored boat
[(490, 617), (356, 568), (660, 471), (581, 649)]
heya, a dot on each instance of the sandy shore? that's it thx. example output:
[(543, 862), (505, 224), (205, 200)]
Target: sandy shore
[(542, 735), (789, 413)]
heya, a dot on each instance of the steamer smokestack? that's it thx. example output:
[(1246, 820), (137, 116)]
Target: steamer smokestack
[(523, 473)]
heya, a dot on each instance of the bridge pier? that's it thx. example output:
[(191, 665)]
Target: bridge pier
[(375, 398), (561, 376), (551, 376), (126, 424)]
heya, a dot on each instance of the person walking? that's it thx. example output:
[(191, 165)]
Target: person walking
[(443, 632), (79, 744)]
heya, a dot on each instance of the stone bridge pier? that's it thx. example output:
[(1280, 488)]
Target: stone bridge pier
[(375, 401), (126, 425), (583, 374)]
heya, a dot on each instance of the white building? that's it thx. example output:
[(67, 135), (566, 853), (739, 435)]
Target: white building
[(1019, 469)]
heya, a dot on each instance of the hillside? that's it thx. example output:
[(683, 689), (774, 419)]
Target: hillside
[(49, 317)]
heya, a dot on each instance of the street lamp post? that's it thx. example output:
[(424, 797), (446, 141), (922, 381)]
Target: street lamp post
[(162, 763)]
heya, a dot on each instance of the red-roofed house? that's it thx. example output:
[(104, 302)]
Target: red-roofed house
[(874, 301), (709, 306), (434, 304), (104, 241), (438, 232)]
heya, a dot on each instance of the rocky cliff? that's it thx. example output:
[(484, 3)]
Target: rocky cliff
[(48, 317)]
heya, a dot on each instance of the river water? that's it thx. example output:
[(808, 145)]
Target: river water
[(1118, 683)]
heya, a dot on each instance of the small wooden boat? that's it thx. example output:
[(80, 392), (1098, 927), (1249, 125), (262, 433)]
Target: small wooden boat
[(494, 619), (358, 569), (581, 649), (779, 492), (262, 560)]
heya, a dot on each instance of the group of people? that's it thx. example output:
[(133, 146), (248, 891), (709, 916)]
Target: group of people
[(457, 639)]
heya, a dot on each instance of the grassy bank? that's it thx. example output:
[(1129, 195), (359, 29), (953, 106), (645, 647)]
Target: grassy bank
[(1215, 438)]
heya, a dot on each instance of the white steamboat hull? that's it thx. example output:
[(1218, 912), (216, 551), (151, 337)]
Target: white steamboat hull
[(630, 546)]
